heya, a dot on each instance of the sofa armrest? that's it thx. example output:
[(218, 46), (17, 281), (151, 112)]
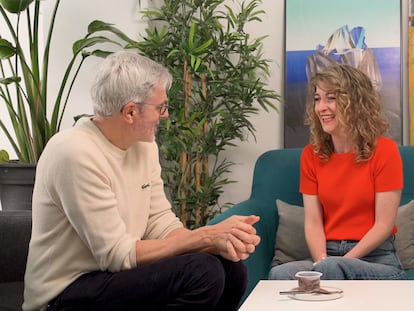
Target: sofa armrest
[(15, 232), (258, 264)]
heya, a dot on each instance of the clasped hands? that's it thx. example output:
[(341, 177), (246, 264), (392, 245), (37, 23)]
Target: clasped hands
[(236, 238)]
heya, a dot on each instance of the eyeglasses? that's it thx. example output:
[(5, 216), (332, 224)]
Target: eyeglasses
[(161, 107)]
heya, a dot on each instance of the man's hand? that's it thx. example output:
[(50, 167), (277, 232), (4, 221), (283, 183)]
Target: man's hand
[(235, 238)]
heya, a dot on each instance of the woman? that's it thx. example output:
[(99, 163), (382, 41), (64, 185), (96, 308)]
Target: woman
[(351, 181)]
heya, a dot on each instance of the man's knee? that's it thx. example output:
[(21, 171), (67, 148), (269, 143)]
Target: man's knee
[(236, 272), (199, 269), (207, 268), (203, 281), (236, 275)]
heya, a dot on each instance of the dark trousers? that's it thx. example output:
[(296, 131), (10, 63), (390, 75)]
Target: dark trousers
[(197, 281)]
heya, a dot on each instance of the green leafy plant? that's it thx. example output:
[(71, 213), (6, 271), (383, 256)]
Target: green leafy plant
[(4, 156), (24, 66), (219, 82)]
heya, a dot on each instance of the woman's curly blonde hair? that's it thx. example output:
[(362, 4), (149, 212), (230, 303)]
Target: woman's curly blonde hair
[(360, 110)]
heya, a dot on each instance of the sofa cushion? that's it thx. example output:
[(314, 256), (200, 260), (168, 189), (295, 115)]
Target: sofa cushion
[(14, 242), (11, 296), (290, 243), (404, 239)]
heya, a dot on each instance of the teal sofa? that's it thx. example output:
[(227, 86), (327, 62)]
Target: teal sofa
[(276, 176)]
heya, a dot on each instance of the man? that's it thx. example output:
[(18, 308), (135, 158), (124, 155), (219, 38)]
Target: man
[(104, 236)]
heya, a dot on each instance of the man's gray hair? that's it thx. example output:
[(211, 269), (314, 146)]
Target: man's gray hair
[(124, 77)]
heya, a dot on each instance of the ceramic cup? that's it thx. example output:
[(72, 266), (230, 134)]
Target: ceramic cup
[(308, 280)]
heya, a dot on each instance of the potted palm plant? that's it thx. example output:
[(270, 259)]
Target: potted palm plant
[(24, 66), (219, 82)]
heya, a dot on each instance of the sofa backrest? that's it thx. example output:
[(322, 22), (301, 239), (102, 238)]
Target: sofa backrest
[(276, 176), (407, 155)]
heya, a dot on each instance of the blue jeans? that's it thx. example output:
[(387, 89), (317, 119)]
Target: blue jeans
[(381, 264)]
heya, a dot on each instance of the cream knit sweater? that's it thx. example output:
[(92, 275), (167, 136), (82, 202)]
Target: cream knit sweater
[(91, 203)]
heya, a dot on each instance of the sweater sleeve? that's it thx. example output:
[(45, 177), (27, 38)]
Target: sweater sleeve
[(162, 220)]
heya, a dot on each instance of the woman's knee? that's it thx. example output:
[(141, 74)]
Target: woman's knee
[(330, 269), (288, 270)]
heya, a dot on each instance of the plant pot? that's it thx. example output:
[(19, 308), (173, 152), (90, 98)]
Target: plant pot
[(16, 185)]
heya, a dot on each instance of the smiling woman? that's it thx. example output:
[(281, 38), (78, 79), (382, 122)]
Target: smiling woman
[(351, 180), (350, 97)]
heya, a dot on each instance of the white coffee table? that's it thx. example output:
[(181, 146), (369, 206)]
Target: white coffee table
[(357, 295)]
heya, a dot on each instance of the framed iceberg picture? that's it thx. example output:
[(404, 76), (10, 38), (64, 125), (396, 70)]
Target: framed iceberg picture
[(362, 33)]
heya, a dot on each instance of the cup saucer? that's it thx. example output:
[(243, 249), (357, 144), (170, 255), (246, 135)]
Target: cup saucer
[(318, 296)]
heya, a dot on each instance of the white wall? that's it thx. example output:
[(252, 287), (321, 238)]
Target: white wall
[(269, 125), (72, 21)]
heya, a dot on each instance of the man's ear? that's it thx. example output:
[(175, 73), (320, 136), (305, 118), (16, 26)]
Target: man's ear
[(128, 112)]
